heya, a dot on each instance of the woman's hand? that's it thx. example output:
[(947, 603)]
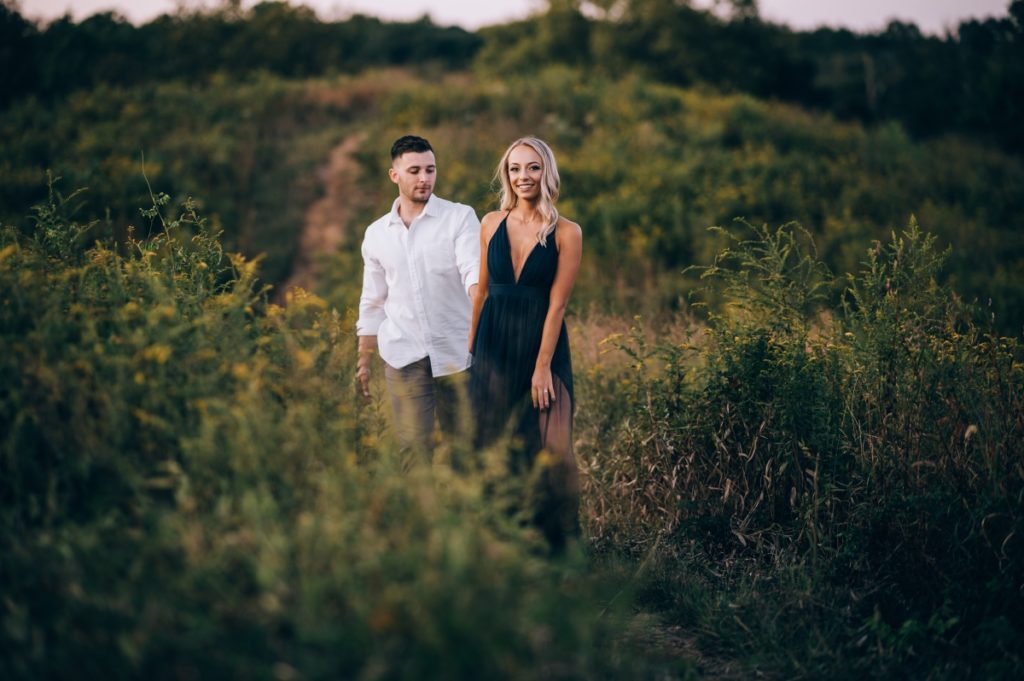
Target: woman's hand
[(542, 389)]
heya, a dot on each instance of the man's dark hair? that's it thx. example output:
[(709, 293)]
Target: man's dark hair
[(409, 144)]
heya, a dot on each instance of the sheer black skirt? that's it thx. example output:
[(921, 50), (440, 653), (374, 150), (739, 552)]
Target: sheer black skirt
[(505, 352)]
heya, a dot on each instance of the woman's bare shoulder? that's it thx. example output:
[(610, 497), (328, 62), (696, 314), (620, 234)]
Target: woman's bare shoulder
[(567, 229), (494, 216), (490, 222)]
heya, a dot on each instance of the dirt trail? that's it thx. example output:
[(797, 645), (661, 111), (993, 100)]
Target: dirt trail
[(324, 227)]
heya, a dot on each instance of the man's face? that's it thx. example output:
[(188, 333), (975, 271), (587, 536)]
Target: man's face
[(414, 173)]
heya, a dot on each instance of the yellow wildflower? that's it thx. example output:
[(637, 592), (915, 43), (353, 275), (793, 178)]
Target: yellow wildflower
[(158, 353), (303, 359)]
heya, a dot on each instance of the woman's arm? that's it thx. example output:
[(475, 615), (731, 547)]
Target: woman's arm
[(569, 240), (488, 226)]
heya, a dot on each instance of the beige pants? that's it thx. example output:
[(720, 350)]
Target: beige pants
[(418, 399)]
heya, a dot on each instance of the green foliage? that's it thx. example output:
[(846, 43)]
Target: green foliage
[(646, 168), (275, 37), (771, 276), (251, 147), (189, 487), (897, 74), (869, 455)]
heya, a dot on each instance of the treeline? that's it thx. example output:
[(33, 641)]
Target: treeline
[(287, 40), (969, 81)]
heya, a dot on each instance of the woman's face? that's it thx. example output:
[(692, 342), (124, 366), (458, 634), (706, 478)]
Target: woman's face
[(525, 172)]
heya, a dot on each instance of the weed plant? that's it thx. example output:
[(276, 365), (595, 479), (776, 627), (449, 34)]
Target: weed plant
[(826, 492)]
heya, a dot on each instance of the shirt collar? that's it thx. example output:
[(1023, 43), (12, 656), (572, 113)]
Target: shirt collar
[(431, 209)]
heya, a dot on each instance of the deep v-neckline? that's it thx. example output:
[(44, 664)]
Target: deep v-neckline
[(511, 258)]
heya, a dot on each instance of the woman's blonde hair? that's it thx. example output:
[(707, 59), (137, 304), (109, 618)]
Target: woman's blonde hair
[(549, 184)]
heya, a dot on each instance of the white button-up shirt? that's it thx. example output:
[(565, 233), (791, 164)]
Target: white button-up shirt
[(416, 284)]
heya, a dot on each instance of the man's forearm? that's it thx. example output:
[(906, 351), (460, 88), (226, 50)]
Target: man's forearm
[(367, 349)]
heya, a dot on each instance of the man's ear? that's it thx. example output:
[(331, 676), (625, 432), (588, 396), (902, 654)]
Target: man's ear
[(393, 174)]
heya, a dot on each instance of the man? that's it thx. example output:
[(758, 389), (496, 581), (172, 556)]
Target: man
[(421, 264)]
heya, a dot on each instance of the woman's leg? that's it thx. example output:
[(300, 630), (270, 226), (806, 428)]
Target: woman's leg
[(557, 491)]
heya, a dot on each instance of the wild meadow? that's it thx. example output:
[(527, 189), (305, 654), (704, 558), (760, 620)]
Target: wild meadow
[(797, 350)]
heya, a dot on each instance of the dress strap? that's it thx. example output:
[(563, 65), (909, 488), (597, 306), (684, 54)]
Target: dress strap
[(503, 225)]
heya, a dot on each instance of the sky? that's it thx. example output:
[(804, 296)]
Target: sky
[(931, 16)]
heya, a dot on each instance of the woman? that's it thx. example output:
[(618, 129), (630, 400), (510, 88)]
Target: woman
[(522, 372)]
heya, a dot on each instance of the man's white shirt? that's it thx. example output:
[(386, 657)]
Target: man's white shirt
[(416, 283)]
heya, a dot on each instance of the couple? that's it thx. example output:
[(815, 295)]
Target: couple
[(433, 308)]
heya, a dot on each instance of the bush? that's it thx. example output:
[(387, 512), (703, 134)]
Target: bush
[(854, 472)]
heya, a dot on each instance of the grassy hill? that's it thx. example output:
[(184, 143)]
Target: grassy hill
[(647, 168)]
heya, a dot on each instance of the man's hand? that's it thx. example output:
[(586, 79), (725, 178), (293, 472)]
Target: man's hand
[(476, 315), (363, 379), (367, 349)]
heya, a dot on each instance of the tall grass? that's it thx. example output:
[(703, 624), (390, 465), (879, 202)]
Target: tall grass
[(825, 489)]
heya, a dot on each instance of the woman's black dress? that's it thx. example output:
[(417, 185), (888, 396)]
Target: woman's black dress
[(505, 351)]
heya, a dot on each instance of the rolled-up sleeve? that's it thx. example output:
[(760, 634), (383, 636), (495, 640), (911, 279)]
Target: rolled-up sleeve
[(467, 249), (374, 294)]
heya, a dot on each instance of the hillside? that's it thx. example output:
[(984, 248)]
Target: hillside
[(647, 169)]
